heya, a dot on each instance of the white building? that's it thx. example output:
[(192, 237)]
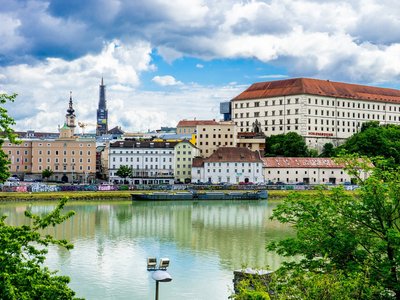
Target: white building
[(319, 110), (151, 162), (228, 165), (307, 170)]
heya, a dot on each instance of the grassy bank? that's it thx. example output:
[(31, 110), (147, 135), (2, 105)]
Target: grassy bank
[(104, 195)]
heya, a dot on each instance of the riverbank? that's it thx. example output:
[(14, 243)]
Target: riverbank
[(107, 195)]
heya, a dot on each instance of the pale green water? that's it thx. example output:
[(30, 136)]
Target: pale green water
[(205, 242)]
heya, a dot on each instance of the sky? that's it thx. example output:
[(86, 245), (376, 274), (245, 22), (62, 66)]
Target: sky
[(163, 61)]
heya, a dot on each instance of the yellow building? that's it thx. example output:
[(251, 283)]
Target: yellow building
[(184, 154)]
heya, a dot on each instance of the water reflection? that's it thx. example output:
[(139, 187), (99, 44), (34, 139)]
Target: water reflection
[(208, 240)]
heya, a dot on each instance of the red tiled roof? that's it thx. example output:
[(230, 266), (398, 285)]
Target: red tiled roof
[(194, 123), (234, 154), (327, 88), (198, 162), (300, 162)]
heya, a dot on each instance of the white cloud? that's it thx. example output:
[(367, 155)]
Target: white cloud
[(43, 89), (166, 80), (199, 66)]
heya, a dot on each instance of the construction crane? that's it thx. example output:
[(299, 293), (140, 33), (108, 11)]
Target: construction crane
[(83, 125)]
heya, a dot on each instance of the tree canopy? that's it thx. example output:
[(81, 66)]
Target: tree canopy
[(124, 171), (375, 140), (347, 245), (22, 254), (6, 132), (47, 173), (289, 145)]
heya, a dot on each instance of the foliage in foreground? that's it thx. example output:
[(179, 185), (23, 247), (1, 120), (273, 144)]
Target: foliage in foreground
[(348, 247), (6, 132), (22, 254)]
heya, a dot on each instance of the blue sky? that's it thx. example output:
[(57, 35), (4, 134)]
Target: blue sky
[(164, 61)]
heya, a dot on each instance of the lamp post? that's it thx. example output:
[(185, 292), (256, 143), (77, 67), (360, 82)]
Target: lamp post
[(160, 273)]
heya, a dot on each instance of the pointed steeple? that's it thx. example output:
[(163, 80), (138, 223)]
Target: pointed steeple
[(70, 116), (102, 112), (70, 109)]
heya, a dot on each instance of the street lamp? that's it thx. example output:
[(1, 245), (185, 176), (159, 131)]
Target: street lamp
[(160, 273)]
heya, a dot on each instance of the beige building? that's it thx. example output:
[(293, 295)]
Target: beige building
[(319, 110), (184, 154), (70, 157), (210, 135), (70, 160), (190, 126), (20, 157), (307, 170)]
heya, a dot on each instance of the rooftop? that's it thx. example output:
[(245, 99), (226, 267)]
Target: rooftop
[(142, 144), (194, 123), (327, 88), (234, 154), (300, 162)]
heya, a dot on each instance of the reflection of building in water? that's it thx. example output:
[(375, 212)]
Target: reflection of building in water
[(237, 231)]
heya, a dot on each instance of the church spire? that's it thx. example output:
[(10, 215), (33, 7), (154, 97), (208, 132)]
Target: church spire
[(102, 112), (70, 116)]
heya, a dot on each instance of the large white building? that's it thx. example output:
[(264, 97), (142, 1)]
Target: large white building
[(151, 162), (228, 165), (319, 110)]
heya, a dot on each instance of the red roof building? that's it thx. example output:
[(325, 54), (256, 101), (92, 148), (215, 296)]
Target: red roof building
[(322, 111)]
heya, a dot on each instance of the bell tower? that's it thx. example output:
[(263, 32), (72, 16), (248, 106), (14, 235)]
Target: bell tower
[(70, 116)]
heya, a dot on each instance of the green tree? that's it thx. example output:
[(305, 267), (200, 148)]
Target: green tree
[(374, 140), (47, 173), (124, 172), (6, 132), (22, 254), (288, 145), (328, 150), (347, 238)]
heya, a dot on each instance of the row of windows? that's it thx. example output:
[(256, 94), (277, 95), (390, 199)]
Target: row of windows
[(229, 164), (313, 180), (65, 145), (56, 160), (146, 167), (305, 172), (146, 159), (56, 152), (353, 115), (183, 172), (352, 104), (322, 102), (270, 102), (214, 136), (235, 171), (256, 114), (184, 152), (216, 143), (183, 166), (219, 129), (64, 168), (140, 152)]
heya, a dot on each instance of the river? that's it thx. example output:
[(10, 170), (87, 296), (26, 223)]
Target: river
[(205, 242)]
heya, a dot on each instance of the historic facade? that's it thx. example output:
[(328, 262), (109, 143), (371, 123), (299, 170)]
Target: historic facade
[(305, 170), (319, 110), (184, 154), (210, 134), (229, 165), (71, 158), (151, 162)]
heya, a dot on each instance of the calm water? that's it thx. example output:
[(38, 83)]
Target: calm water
[(205, 242)]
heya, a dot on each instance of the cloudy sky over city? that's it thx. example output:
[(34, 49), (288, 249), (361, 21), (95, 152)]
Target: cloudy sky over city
[(164, 61)]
